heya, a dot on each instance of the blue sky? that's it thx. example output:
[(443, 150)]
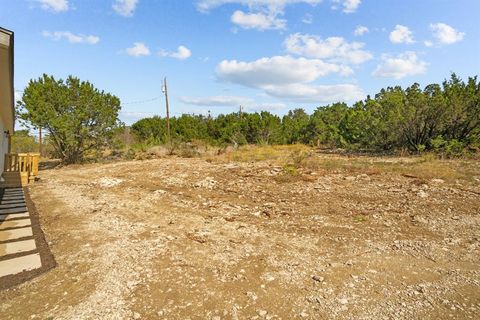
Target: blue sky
[(274, 55)]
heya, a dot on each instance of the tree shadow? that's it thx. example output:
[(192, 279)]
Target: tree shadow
[(49, 164)]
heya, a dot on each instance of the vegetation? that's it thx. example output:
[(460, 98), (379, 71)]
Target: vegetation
[(297, 161), (22, 142), (443, 118), (78, 118)]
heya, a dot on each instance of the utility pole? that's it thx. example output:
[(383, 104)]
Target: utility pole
[(40, 140), (241, 109), (165, 91)]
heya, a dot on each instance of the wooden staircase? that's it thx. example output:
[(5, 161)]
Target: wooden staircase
[(20, 169)]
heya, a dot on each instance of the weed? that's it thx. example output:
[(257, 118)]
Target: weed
[(360, 218)]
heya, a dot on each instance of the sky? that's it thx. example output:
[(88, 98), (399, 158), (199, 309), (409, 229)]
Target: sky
[(273, 55)]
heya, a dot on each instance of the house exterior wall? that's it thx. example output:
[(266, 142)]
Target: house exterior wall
[(7, 99), (3, 146)]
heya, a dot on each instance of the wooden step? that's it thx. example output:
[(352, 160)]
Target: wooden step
[(14, 179)]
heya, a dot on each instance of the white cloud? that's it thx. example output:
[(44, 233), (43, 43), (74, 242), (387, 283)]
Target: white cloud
[(348, 6), (125, 7), (276, 70), (307, 19), (268, 106), (139, 49), (271, 5), (428, 43), (401, 34), (233, 101), (333, 48), (263, 15), (403, 65), (54, 5), (216, 101), (259, 21), (182, 53), (71, 37), (289, 78), (446, 34), (316, 93), (360, 30)]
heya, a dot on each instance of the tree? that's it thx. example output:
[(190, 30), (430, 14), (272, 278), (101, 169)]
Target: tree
[(152, 130), (295, 125), (326, 127), (463, 108), (77, 117), (423, 115), (22, 141), (263, 128)]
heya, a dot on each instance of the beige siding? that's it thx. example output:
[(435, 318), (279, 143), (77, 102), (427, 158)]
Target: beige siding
[(7, 98)]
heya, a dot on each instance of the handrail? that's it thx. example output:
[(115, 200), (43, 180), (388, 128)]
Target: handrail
[(22, 162)]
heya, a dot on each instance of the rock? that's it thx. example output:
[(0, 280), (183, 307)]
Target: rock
[(108, 182), (303, 314), (363, 176), (262, 313), (343, 301), (438, 181), (208, 183), (252, 295), (136, 316), (318, 278), (159, 192), (422, 194), (349, 178), (269, 277)]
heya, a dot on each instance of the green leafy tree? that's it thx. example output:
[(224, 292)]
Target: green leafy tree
[(151, 130), (22, 141), (422, 116), (463, 109), (326, 127), (295, 126), (263, 128), (77, 117)]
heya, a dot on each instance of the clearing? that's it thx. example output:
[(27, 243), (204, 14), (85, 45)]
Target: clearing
[(327, 236)]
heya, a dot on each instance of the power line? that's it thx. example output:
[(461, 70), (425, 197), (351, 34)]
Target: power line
[(141, 101)]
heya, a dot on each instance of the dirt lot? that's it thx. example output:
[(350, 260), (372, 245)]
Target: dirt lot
[(337, 237)]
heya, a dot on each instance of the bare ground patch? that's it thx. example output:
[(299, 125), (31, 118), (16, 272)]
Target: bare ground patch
[(228, 239)]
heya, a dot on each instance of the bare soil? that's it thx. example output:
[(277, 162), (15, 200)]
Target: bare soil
[(180, 238)]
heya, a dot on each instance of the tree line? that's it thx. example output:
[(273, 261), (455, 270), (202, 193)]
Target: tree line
[(80, 120), (440, 117)]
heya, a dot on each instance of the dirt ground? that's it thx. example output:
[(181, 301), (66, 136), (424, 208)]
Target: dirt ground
[(173, 238)]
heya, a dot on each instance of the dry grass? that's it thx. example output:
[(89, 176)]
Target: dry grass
[(249, 153), (296, 159), (423, 168)]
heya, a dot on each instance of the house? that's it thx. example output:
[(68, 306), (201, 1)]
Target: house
[(16, 169), (7, 94)]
